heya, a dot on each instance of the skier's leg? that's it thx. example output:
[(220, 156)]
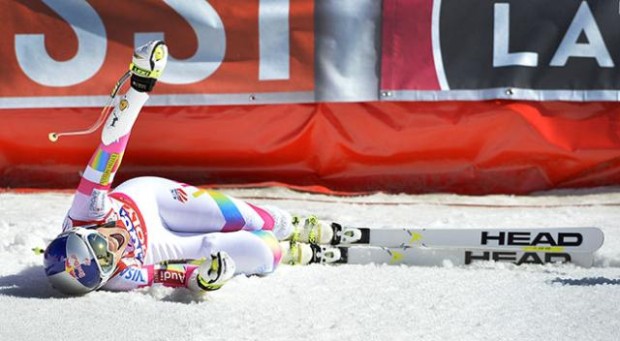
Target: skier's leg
[(254, 253), (185, 208)]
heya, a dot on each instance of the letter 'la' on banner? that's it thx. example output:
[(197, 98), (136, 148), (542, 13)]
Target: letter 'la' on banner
[(514, 49)]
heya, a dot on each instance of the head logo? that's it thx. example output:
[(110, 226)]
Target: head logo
[(123, 104)]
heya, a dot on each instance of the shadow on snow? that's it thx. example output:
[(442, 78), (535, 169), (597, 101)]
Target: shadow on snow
[(29, 283)]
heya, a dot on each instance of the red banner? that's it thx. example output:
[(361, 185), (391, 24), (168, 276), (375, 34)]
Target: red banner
[(407, 61), (459, 147), (58, 48)]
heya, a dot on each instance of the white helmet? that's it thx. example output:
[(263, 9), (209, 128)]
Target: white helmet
[(79, 261)]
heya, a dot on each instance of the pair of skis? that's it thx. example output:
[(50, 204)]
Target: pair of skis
[(437, 247)]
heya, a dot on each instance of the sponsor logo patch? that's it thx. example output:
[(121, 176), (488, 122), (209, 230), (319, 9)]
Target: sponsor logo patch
[(134, 275), (179, 195), (124, 104)]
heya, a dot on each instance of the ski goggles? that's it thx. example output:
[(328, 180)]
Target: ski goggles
[(98, 248)]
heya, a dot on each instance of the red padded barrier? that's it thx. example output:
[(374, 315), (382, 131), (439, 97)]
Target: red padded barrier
[(412, 147)]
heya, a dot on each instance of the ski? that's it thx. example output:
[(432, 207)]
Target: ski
[(414, 256), (525, 240)]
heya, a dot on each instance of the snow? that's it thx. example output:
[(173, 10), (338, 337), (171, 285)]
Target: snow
[(483, 301)]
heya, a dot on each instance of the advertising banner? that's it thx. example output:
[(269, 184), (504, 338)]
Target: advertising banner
[(362, 95), (58, 53), (511, 49)]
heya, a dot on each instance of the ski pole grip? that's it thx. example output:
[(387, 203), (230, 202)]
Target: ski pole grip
[(53, 137)]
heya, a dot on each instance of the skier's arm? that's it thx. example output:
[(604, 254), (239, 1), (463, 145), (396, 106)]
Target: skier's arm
[(171, 274), (206, 274), (91, 202)]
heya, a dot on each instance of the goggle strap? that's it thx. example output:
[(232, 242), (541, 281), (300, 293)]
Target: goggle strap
[(96, 226)]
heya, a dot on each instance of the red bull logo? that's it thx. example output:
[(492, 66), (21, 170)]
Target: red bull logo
[(74, 267)]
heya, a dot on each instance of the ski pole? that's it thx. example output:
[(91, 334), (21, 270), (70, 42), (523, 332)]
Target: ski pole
[(54, 136)]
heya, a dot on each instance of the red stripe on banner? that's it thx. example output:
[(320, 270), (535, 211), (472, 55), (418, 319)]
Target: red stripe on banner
[(407, 60)]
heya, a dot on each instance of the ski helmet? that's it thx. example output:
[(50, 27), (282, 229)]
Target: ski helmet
[(78, 261)]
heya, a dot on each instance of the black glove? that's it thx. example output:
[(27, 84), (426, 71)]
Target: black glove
[(142, 84)]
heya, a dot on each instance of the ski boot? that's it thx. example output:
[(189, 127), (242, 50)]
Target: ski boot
[(311, 230), (314, 231), (298, 253)]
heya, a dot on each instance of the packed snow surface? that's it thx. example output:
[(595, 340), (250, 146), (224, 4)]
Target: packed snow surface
[(484, 301)]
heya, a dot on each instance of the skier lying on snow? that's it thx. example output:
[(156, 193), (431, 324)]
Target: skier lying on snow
[(152, 230)]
